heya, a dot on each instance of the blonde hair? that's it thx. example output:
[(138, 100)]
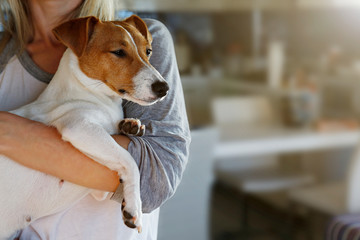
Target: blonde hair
[(16, 19)]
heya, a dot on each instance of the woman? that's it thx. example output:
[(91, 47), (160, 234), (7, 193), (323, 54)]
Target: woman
[(29, 56)]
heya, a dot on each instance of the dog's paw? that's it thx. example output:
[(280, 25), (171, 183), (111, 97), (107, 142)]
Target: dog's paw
[(132, 214), (132, 126)]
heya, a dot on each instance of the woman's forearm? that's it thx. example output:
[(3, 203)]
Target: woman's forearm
[(40, 147)]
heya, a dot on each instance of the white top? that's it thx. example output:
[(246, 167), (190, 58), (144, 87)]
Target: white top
[(91, 220), (17, 86)]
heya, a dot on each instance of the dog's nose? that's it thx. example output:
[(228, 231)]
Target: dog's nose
[(160, 88)]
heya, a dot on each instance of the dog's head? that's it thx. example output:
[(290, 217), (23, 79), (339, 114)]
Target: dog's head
[(117, 54)]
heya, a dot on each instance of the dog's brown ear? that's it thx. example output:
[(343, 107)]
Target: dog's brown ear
[(140, 25), (75, 34)]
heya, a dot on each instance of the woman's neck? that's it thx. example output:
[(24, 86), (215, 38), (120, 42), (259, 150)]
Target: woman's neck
[(47, 14), (44, 49)]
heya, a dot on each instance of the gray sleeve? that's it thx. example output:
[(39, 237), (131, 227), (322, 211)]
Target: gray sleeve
[(163, 152)]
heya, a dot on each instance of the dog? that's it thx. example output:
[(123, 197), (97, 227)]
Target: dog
[(105, 62)]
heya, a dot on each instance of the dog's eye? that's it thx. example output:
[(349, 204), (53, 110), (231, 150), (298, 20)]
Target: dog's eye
[(148, 52), (119, 53)]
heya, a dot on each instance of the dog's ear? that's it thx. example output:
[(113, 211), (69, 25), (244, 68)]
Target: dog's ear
[(140, 25), (75, 34)]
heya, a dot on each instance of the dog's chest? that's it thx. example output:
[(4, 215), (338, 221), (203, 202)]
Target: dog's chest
[(107, 115)]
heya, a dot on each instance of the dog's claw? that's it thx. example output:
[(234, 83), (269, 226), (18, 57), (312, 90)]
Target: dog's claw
[(130, 224), (132, 126), (142, 131), (127, 215), (123, 205)]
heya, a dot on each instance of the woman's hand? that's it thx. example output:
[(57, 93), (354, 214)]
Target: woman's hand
[(40, 147)]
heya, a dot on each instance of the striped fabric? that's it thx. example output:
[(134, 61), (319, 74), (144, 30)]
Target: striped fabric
[(345, 227)]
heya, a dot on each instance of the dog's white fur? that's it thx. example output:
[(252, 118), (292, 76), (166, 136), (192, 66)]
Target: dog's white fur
[(86, 112)]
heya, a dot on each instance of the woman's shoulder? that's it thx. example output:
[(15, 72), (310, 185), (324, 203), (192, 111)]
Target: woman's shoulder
[(155, 26), (158, 30)]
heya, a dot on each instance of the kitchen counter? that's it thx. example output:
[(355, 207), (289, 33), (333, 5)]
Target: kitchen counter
[(234, 142)]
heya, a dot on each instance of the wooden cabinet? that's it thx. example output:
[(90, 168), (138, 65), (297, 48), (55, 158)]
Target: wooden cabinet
[(317, 4), (235, 5), (207, 5)]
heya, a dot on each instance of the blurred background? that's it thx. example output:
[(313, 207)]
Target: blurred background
[(272, 91), (272, 95)]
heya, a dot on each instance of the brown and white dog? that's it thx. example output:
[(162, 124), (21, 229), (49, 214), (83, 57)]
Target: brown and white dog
[(105, 62)]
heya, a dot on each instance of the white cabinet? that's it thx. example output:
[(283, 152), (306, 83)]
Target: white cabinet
[(186, 214)]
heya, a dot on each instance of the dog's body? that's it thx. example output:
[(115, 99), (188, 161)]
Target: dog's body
[(86, 110)]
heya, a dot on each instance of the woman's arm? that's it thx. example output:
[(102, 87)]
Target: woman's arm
[(40, 147), (162, 152)]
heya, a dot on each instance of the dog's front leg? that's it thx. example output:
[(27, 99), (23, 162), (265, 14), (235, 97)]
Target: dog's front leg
[(92, 139)]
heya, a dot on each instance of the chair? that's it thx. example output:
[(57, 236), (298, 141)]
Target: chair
[(259, 176), (344, 227), (339, 201), (334, 198)]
